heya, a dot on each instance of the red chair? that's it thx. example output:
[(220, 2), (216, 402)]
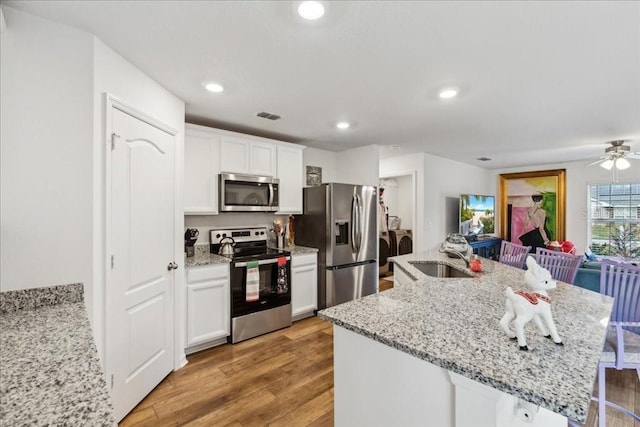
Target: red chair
[(562, 266), (513, 254)]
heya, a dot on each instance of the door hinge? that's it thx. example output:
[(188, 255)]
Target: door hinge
[(113, 140), (111, 381), (112, 262)]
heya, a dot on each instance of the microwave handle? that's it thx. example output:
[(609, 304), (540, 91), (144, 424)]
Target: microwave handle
[(271, 195), (261, 262)]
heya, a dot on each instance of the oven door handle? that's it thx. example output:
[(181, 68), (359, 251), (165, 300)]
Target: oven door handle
[(261, 262)]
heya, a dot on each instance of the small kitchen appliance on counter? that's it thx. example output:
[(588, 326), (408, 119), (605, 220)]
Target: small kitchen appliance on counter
[(190, 237), (260, 288), (455, 245)]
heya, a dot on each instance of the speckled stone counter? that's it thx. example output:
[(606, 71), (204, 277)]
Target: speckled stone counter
[(454, 324), (202, 256), (300, 250), (50, 373)]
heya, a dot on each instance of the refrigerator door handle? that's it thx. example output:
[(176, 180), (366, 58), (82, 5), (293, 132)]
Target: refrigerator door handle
[(354, 208), (359, 224)]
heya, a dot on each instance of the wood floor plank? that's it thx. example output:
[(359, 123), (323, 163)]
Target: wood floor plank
[(307, 413), (290, 401), (140, 416), (285, 378), (230, 413)]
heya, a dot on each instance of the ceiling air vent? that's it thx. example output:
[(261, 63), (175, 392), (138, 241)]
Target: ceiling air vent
[(269, 116), (484, 159)]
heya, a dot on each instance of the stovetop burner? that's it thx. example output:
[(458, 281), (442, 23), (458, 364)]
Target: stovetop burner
[(251, 255), (250, 244)]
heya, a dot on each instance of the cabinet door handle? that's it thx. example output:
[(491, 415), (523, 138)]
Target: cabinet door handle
[(172, 266)]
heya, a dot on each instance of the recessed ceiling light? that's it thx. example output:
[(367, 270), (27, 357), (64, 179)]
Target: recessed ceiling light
[(214, 87), (343, 125), (448, 93), (311, 10), (395, 147)]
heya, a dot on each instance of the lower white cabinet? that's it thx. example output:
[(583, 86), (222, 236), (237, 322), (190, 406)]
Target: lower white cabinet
[(304, 285), (207, 305)]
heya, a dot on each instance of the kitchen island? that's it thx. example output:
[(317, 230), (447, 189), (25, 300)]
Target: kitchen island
[(431, 351)]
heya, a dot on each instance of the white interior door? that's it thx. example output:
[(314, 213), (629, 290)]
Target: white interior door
[(141, 242)]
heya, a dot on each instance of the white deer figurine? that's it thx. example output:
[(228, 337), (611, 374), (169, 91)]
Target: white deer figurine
[(536, 305)]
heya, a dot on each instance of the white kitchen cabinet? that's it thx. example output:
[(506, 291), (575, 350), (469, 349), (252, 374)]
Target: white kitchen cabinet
[(208, 304), (202, 166), (209, 151), (304, 285), (291, 178), (242, 155)]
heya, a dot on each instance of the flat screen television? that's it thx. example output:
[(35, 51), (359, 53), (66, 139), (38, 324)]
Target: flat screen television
[(477, 214)]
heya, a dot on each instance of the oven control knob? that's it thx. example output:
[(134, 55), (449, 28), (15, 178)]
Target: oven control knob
[(262, 233), (224, 234), (257, 233), (218, 236)]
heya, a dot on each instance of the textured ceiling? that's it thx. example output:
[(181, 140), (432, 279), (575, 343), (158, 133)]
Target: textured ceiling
[(540, 82)]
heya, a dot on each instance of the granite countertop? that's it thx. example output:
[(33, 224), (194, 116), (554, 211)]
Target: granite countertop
[(454, 323), (204, 257), (50, 374)]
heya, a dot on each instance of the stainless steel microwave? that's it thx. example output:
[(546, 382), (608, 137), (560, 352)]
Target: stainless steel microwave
[(248, 193)]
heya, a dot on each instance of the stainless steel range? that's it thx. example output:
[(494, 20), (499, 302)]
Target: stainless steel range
[(260, 282)]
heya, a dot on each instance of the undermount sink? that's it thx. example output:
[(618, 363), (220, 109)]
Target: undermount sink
[(439, 269)]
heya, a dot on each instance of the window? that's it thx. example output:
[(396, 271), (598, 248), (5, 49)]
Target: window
[(614, 219)]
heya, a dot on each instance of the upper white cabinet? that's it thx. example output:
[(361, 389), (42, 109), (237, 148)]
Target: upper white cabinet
[(201, 169), (209, 151), (291, 179), (242, 155)]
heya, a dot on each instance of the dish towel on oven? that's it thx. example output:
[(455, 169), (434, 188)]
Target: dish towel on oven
[(253, 281), (283, 281)]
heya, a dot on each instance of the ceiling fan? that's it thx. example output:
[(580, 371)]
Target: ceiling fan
[(616, 156)]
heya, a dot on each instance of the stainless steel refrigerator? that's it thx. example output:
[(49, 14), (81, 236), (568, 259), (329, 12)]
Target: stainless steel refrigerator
[(341, 221)]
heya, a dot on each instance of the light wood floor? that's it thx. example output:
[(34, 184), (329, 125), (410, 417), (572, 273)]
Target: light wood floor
[(285, 378)]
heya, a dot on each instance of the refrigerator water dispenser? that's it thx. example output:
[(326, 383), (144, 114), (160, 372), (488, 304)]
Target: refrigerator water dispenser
[(342, 232)]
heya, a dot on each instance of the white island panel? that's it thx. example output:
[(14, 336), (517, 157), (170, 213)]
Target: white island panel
[(453, 323)]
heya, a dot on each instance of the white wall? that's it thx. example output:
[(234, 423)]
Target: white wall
[(116, 76), (358, 166), (437, 179), (410, 164), (325, 159), (53, 154), (46, 154), (448, 178), (405, 201), (578, 176)]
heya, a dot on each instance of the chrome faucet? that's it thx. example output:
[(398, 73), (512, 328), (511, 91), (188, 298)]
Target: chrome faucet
[(466, 259)]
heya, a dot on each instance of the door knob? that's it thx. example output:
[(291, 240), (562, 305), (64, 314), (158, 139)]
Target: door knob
[(172, 266)]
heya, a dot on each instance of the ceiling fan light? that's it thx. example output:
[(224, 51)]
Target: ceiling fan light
[(607, 164), (622, 163)]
